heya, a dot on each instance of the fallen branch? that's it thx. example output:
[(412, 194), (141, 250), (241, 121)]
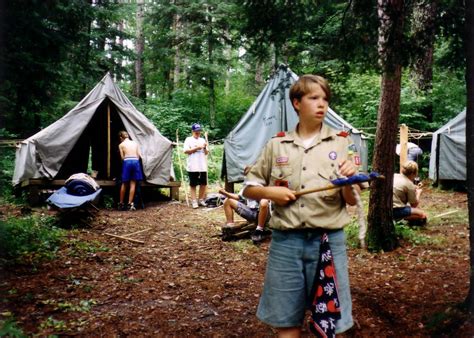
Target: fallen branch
[(445, 214), (136, 232), (124, 238)]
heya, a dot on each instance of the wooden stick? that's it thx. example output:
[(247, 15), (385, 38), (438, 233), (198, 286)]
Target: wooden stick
[(309, 191), (329, 187), (445, 214), (124, 238), (181, 168), (136, 232), (207, 146)]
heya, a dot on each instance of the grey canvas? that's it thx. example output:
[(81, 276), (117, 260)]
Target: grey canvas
[(43, 154), (448, 150), (269, 114)]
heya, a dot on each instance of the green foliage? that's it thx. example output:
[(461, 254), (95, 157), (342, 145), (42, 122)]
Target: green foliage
[(29, 240), (9, 328), (7, 167), (54, 324), (411, 234), (352, 233)]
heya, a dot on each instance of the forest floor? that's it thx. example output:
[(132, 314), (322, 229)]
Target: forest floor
[(183, 280)]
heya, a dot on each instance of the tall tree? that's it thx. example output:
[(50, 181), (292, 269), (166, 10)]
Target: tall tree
[(140, 89), (469, 38), (381, 231), (423, 30)]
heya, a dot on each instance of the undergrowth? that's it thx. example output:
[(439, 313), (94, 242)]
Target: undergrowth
[(29, 240)]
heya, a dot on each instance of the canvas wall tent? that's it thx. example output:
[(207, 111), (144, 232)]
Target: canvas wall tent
[(269, 114), (90, 130), (448, 151)]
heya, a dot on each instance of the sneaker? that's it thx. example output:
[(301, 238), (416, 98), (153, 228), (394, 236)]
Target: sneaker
[(202, 203), (195, 204), (121, 207), (131, 207), (257, 236)]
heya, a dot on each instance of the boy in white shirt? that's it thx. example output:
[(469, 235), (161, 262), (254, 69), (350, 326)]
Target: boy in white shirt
[(196, 149)]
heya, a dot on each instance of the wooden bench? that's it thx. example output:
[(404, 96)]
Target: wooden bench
[(35, 186)]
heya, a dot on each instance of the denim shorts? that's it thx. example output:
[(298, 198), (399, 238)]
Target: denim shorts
[(245, 212), (289, 277), (401, 213)]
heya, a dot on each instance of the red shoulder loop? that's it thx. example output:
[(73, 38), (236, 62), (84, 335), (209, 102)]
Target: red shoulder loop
[(343, 133), (281, 134)]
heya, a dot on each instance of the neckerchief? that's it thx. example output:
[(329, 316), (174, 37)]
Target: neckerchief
[(325, 310)]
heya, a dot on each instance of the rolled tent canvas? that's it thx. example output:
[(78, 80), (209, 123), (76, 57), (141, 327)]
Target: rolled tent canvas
[(63, 147), (448, 150), (269, 114)]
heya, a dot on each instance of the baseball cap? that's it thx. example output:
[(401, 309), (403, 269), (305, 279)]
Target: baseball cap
[(196, 127)]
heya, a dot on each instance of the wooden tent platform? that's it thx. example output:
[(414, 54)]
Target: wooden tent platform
[(34, 187)]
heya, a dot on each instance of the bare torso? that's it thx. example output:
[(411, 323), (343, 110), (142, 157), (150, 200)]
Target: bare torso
[(129, 148)]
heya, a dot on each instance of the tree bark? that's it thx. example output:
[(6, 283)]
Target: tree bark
[(381, 231), (470, 143), (140, 89), (424, 18), (177, 56), (211, 81)]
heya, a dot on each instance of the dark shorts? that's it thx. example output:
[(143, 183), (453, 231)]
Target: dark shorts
[(131, 170), (197, 178), (247, 213), (401, 213)]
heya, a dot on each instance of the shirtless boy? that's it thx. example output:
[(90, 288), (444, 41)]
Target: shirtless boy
[(131, 170)]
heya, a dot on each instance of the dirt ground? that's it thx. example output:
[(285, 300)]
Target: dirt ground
[(183, 280)]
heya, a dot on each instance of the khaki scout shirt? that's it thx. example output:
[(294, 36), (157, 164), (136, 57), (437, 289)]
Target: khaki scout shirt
[(404, 191), (285, 160)]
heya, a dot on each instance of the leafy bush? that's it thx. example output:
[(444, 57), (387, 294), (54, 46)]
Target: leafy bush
[(9, 328), (29, 240), (7, 166)]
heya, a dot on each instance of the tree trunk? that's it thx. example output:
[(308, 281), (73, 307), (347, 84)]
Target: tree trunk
[(140, 90), (470, 142), (424, 17), (381, 231), (177, 56), (212, 89)]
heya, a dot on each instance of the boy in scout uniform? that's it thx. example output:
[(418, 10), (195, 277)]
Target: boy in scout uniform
[(308, 157)]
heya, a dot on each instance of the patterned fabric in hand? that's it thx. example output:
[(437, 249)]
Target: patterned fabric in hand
[(325, 310)]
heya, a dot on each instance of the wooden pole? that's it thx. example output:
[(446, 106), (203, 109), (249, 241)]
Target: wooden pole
[(181, 168), (207, 146), (403, 145), (108, 140), (329, 187)]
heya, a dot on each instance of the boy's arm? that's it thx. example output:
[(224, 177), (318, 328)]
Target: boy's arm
[(122, 153), (229, 194), (280, 195)]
